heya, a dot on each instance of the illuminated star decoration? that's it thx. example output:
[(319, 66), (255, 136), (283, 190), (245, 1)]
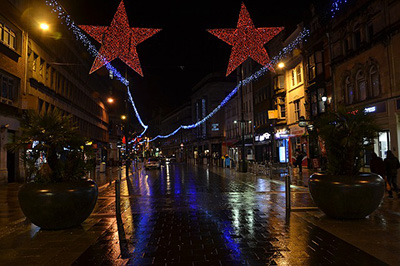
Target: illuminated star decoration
[(246, 40), (118, 40)]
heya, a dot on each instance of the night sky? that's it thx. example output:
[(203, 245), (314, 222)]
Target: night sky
[(179, 56)]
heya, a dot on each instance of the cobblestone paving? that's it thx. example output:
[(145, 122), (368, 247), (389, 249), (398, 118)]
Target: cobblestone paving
[(183, 215)]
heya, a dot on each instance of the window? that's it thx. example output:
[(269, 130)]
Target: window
[(41, 65), (282, 108), (319, 62), (321, 103), (297, 110), (311, 67), (293, 77), (361, 86), (8, 88), (47, 72), (356, 37), (298, 73), (279, 82), (375, 84), (370, 32), (314, 104), (296, 76), (34, 62), (349, 91), (7, 36)]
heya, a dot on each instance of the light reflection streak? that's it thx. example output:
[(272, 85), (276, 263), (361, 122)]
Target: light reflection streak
[(224, 226)]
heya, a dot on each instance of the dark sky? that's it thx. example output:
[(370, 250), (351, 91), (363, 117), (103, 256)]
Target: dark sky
[(179, 56)]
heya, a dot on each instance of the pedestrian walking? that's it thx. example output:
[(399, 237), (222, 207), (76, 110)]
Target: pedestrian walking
[(377, 166), (299, 160), (391, 166)]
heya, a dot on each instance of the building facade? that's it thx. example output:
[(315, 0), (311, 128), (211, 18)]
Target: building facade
[(365, 61), (44, 71), (209, 137)]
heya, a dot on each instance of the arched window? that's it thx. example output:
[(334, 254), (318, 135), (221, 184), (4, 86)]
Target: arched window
[(349, 90), (375, 84), (361, 86)]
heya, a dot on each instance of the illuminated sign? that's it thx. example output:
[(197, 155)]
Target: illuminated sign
[(263, 137), (371, 109), (215, 127)]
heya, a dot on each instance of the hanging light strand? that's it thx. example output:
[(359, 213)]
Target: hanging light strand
[(283, 53)]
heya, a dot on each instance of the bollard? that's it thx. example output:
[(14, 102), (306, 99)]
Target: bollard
[(287, 189), (117, 198)]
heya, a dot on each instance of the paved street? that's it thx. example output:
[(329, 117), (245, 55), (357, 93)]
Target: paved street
[(198, 215)]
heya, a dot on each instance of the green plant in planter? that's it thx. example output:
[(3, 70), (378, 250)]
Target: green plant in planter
[(55, 150), (347, 134)]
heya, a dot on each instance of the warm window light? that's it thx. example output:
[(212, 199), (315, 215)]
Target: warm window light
[(44, 26), (110, 100), (281, 65)]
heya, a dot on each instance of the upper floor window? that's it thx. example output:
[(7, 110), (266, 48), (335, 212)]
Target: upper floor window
[(279, 82), (8, 85), (356, 37), (370, 32), (281, 108), (311, 67), (7, 36), (349, 88), (297, 110), (297, 76), (361, 86), (375, 83)]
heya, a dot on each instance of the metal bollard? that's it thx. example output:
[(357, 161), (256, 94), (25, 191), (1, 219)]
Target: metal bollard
[(287, 188), (117, 198)]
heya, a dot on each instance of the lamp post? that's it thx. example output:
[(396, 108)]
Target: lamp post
[(242, 166)]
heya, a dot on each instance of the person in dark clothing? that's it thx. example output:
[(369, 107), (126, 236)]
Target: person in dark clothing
[(377, 165), (299, 160), (391, 166)]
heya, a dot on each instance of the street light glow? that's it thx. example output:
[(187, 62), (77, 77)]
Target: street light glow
[(123, 117), (44, 26), (281, 65), (110, 100)]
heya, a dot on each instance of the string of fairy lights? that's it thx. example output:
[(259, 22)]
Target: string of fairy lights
[(79, 35), (336, 5)]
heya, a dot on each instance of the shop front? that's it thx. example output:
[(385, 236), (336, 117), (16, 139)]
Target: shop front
[(282, 146), (298, 144), (263, 147)]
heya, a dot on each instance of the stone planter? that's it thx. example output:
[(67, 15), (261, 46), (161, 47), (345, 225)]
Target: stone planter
[(55, 206), (347, 197)]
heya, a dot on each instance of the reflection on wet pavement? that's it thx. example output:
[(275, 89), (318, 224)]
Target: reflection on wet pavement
[(187, 215)]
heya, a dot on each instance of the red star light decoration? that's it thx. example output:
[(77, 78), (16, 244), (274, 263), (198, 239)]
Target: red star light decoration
[(118, 40), (246, 40)]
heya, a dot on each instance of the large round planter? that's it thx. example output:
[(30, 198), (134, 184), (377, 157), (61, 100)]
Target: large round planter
[(347, 197), (56, 206)]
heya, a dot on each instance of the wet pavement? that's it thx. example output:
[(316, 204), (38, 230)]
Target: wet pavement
[(197, 215)]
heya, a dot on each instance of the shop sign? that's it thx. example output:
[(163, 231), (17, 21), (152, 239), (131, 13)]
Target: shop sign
[(282, 134), (297, 131), (273, 114), (263, 137), (214, 127)]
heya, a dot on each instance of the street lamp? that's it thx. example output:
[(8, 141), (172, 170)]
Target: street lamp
[(123, 117), (44, 26), (281, 65), (110, 100)]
